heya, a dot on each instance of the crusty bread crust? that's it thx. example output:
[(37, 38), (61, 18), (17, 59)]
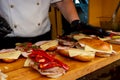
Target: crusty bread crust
[(96, 44), (100, 54), (65, 52), (52, 48), (8, 60)]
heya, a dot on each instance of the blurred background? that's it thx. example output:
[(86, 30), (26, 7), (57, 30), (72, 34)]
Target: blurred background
[(82, 9), (100, 13)]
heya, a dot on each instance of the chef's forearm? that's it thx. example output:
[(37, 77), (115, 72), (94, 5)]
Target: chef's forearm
[(68, 10)]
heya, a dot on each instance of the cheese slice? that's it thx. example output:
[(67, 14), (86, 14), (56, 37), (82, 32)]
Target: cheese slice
[(10, 55), (27, 62), (49, 44), (74, 52), (78, 37), (105, 38), (3, 76), (88, 48)]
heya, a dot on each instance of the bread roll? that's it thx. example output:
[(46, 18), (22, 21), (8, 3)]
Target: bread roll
[(9, 55), (48, 45), (102, 49), (96, 44), (8, 60), (77, 54), (46, 64)]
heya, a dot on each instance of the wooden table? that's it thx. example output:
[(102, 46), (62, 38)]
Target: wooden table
[(16, 71)]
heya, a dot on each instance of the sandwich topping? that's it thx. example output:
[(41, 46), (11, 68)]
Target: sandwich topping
[(45, 60), (88, 48), (9, 54), (74, 52)]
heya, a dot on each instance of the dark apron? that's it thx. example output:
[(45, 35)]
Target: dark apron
[(9, 42)]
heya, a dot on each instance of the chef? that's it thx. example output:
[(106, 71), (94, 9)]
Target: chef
[(29, 20)]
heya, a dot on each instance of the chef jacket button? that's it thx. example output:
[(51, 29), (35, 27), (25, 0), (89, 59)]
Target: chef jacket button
[(15, 26), (38, 3), (38, 24), (11, 6)]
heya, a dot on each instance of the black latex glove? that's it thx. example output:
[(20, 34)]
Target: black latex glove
[(4, 27), (78, 26)]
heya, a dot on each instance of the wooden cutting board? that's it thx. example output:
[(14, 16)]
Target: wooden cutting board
[(7, 67), (16, 71)]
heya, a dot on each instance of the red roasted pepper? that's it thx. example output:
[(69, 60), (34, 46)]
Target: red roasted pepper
[(45, 60)]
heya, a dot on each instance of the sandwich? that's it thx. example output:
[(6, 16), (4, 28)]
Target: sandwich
[(115, 39), (46, 64), (49, 45), (101, 48), (9, 55), (25, 48), (75, 53), (69, 47)]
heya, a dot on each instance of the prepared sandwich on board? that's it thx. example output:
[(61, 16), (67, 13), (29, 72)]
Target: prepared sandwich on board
[(77, 54), (86, 49), (69, 47), (49, 45), (115, 39), (27, 47), (46, 64), (102, 49), (9, 55)]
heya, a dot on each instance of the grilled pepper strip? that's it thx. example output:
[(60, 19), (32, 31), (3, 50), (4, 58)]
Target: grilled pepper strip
[(46, 60)]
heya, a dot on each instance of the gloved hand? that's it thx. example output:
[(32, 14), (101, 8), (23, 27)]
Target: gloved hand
[(78, 26), (4, 27)]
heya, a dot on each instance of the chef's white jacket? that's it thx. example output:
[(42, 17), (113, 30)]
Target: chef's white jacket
[(27, 18)]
